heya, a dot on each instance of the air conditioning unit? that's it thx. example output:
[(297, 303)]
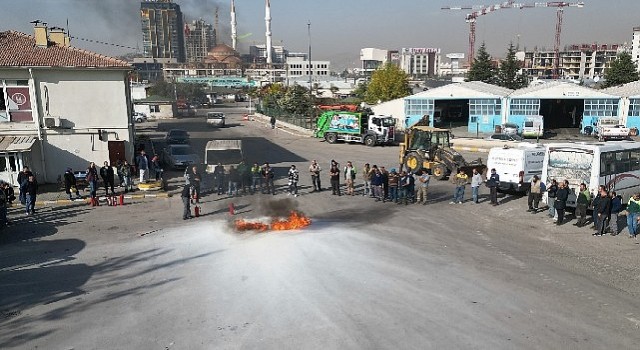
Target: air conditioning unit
[(52, 122)]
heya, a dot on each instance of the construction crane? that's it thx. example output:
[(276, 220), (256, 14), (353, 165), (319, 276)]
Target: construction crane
[(559, 14), (471, 18), (483, 10)]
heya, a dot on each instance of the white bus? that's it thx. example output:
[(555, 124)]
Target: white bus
[(616, 165)]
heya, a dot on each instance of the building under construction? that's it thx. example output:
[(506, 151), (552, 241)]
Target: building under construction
[(162, 30), (200, 37), (577, 62)]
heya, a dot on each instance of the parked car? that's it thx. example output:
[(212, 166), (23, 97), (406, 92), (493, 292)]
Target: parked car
[(179, 156), (504, 137), (139, 117), (510, 129), (177, 136), (216, 119), (81, 179)]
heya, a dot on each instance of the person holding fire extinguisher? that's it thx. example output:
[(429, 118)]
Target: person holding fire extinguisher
[(186, 201)]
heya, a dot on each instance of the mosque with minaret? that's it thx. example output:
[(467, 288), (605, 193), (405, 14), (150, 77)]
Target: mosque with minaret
[(207, 58)]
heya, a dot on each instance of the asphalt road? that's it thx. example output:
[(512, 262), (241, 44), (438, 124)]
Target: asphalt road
[(364, 275)]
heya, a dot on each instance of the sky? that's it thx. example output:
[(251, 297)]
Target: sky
[(339, 28)]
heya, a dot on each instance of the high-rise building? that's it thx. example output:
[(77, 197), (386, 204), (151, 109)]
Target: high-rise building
[(260, 55), (200, 37), (371, 59), (420, 62), (162, 30), (635, 47)]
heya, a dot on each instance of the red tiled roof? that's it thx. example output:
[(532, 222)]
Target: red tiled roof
[(20, 50)]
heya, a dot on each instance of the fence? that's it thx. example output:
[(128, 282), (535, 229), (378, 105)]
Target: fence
[(303, 121)]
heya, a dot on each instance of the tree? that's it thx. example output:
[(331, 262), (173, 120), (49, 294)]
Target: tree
[(482, 68), (361, 90), (508, 75), (296, 101), (387, 83), (622, 70)]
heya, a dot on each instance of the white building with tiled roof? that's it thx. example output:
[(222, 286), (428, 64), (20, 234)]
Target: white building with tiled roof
[(66, 106)]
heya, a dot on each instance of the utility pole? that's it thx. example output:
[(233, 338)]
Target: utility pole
[(309, 58)]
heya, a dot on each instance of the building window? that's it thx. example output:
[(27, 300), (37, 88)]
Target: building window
[(634, 107), (486, 106), (154, 108), (524, 106), (601, 107), (15, 101), (418, 106)]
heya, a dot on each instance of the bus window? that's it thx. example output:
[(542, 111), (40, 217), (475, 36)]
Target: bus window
[(634, 160), (622, 162)]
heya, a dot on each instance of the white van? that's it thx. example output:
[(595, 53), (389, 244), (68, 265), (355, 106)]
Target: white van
[(533, 126), (225, 152), (517, 165)]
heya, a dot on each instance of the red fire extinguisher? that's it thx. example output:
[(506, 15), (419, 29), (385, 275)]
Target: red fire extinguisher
[(232, 209), (196, 211)]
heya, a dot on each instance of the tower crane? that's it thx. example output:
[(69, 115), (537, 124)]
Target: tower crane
[(559, 14), (483, 10), (471, 18)]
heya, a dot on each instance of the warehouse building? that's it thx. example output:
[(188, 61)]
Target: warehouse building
[(563, 105), (629, 110), (475, 104)]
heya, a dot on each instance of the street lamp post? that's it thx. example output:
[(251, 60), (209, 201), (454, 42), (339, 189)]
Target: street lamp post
[(309, 58)]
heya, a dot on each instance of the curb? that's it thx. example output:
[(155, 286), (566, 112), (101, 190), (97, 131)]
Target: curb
[(85, 201), (471, 149)]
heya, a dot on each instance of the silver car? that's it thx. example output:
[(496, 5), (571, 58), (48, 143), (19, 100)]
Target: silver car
[(216, 119), (504, 137), (179, 156), (510, 129)]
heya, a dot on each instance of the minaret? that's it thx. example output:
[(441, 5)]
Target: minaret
[(267, 20), (234, 26)]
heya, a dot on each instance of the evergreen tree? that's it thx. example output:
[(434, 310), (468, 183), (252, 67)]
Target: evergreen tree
[(482, 68), (622, 70), (508, 75), (387, 83)]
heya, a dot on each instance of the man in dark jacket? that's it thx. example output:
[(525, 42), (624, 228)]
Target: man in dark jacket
[(70, 183), (108, 178), (30, 188), (582, 202), (493, 182), (334, 178), (23, 176), (616, 208), (561, 201), (186, 202), (602, 209)]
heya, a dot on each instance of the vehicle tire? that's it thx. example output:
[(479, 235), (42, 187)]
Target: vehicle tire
[(331, 137), (439, 171), (413, 161), (139, 120), (370, 140)]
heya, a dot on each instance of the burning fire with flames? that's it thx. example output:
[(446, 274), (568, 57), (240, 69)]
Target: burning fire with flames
[(295, 220)]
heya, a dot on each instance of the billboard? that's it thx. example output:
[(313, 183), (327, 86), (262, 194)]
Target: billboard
[(420, 50)]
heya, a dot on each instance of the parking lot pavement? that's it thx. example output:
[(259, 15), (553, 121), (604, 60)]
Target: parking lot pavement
[(442, 274)]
